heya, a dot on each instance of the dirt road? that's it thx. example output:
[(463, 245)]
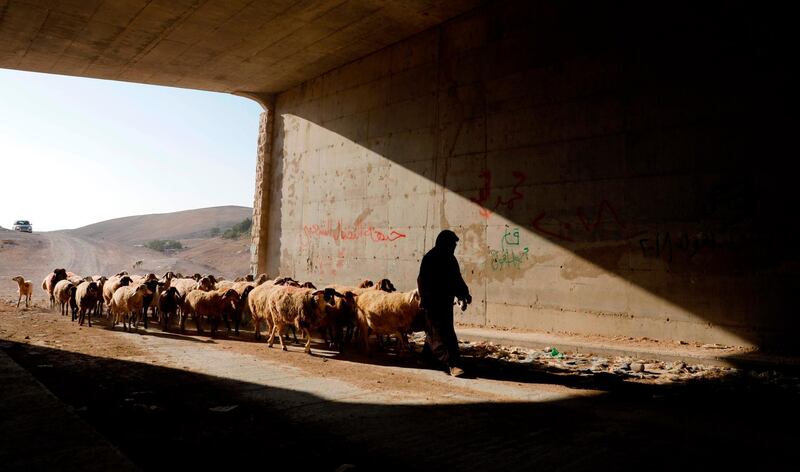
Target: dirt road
[(35, 255), (171, 400)]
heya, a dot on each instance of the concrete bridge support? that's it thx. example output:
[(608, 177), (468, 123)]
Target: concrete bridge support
[(609, 171)]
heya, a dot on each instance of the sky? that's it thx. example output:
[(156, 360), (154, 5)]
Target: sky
[(75, 151)]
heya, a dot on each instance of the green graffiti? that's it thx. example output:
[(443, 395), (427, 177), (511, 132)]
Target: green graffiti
[(509, 255)]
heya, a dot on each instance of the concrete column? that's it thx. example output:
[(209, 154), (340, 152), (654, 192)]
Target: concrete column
[(260, 229)]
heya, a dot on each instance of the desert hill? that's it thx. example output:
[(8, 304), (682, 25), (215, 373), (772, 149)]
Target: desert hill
[(110, 246), (133, 230)]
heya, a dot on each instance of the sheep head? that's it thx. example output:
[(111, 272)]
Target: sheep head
[(366, 283), (385, 285), (60, 274)]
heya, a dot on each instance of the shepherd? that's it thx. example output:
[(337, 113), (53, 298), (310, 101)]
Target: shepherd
[(439, 283)]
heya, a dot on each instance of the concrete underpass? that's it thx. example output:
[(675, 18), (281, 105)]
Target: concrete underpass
[(612, 169)]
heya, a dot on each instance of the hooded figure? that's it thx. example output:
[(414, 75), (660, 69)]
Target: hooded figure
[(439, 282)]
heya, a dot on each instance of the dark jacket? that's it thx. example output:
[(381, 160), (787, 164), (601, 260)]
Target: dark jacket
[(440, 280)]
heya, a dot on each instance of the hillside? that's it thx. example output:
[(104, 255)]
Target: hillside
[(110, 246), (186, 224), (228, 257)]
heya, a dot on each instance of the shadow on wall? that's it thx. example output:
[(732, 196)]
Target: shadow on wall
[(611, 168), (161, 417)]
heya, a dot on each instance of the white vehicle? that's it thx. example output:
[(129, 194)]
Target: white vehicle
[(23, 225)]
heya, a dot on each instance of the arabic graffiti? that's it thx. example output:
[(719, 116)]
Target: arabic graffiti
[(485, 194), (342, 232), (663, 245), (604, 216), (509, 255)]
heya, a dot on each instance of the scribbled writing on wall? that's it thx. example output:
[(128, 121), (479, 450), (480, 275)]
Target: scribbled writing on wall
[(580, 227), (343, 232), (664, 245), (484, 198), (510, 255)]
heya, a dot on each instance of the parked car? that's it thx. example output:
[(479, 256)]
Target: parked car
[(23, 225)]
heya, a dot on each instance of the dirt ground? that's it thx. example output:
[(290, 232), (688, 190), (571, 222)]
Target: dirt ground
[(172, 400)]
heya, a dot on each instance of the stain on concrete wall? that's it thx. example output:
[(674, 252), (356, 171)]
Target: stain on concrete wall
[(596, 169)]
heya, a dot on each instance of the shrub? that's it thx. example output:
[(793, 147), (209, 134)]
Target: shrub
[(239, 229), (163, 245)]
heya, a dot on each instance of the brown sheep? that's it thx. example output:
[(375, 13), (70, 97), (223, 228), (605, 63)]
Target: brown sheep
[(100, 280), (210, 304), (49, 284), (168, 303), (24, 289), (340, 320), (86, 295)]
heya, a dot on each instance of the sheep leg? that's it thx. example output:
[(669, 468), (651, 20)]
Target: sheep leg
[(144, 317), (227, 323), (307, 348), (197, 321), (20, 298), (257, 327), (403, 342), (294, 334), (271, 339), (280, 338), (365, 338)]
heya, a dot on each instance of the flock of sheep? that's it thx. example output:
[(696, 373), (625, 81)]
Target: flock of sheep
[(337, 313)]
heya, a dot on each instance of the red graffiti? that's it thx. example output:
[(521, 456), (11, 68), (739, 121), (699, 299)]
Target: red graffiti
[(339, 232), (485, 194), (552, 226)]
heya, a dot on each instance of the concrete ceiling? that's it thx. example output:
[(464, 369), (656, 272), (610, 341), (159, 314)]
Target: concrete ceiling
[(253, 47)]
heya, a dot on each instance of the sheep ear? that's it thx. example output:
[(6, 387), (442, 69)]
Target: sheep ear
[(318, 292), (337, 294)]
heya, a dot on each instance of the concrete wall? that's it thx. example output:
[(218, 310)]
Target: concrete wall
[(609, 170)]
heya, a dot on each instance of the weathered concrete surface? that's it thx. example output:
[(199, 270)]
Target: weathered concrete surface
[(261, 195), (220, 45), (609, 169)]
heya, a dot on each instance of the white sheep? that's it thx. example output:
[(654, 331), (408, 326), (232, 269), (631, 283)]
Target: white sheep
[(62, 293), (126, 305), (302, 308), (112, 284), (387, 313), (257, 303), (24, 289)]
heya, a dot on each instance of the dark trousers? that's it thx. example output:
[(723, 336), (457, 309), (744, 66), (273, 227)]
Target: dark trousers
[(441, 342)]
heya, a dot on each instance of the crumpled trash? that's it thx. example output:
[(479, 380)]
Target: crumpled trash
[(554, 353)]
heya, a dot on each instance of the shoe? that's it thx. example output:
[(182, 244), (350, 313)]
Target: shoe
[(456, 371)]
